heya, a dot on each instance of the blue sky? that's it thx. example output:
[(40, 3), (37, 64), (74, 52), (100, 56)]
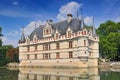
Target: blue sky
[(15, 14)]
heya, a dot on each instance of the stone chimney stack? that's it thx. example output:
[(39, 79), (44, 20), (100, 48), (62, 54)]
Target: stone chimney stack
[(50, 22), (69, 17)]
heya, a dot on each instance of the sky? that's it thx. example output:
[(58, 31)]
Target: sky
[(16, 14)]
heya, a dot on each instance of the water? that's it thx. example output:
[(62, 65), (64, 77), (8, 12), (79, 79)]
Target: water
[(59, 74)]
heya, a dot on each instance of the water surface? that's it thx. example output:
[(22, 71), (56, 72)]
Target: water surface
[(58, 74)]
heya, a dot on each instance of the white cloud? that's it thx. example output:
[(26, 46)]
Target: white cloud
[(117, 19), (13, 33), (31, 26), (7, 41), (88, 20), (15, 3), (71, 7), (4, 38)]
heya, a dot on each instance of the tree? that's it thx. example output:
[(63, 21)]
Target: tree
[(106, 28), (1, 36), (3, 58), (109, 33), (13, 54)]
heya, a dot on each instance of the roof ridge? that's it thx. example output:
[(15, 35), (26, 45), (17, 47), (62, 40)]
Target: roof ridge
[(63, 21)]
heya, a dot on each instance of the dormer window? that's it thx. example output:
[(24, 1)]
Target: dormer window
[(69, 34), (27, 40), (57, 36), (47, 31), (35, 39)]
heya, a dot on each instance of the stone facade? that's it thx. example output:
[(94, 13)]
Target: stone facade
[(63, 44)]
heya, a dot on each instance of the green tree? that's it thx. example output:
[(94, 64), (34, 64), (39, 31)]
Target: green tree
[(13, 54), (3, 58), (109, 33), (1, 36)]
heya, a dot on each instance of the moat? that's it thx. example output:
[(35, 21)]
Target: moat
[(59, 74)]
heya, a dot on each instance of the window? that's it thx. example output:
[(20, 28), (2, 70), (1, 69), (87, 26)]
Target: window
[(84, 42), (45, 46), (28, 56), (85, 32), (69, 34), (70, 44), (57, 46), (70, 55), (28, 49), (57, 36), (35, 48), (35, 56), (47, 31), (49, 47), (57, 55), (46, 56)]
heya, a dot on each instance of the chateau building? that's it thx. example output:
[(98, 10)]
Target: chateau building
[(67, 43)]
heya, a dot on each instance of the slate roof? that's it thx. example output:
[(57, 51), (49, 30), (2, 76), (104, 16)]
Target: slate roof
[(22, 39), (62, 26)]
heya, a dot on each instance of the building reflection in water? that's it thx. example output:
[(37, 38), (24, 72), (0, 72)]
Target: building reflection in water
[(58, 74)]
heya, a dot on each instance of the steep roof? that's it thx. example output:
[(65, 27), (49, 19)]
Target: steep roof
[(62, 26), (22, 39)]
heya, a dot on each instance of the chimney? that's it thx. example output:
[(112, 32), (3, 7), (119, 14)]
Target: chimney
[(49, 21), (69, 17)]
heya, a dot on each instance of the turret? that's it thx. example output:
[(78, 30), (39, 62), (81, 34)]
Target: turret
[(22, 39)]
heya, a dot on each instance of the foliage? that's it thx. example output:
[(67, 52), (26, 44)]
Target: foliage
[(0, 36), (3, 50), (13, 55), (109, 33)]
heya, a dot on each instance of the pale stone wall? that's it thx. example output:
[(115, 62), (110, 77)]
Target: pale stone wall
[(85, 52), (40, 47)]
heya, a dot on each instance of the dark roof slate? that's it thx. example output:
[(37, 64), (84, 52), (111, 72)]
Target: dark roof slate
[(62, 26)]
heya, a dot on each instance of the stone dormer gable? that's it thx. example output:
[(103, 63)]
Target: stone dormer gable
[(56, 33), (35, 38), (69, 32), (28, 40), (48, 30)]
